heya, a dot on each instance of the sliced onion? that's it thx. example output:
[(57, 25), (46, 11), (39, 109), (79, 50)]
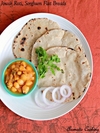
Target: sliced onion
[(46, 101), (54, 98), (40, 101), (62, 91), (58, 95), (39, 98)]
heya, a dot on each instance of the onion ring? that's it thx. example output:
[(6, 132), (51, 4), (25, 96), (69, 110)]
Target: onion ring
[(39, 99), (60, 92), (46, 101), (53, 96), (63, 88)]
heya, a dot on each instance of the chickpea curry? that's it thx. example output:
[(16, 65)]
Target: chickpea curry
[(20, 77)]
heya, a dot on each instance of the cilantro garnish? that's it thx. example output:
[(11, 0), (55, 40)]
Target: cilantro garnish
[(46, 62)]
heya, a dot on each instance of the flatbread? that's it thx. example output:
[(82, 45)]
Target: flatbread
[(30, 32), (76, 70), (56, 37)]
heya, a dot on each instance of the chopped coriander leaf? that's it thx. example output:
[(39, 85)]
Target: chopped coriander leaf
[(46, 62), (55, 58), (52, 70)]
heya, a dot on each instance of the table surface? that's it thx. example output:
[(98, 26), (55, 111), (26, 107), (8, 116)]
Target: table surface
[(85, 117)]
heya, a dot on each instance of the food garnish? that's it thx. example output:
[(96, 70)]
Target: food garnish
[(59, 95), (19, 77), (46, 62)]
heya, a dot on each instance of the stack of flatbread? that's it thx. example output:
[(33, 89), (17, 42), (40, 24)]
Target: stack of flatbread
[(45, 33)]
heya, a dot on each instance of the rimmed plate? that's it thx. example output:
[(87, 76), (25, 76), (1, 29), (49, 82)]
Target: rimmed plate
[(26, 106)]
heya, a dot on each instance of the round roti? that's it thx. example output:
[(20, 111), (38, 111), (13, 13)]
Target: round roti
[(76, 71), (30, 32), (56, 37)]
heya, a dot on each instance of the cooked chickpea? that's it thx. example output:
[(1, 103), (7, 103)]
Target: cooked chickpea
[(13, 89), (28, 83), (23, 63), (28, 68), (19, 73), (6, 78), (22, 68), (16, 85), (19, 90), (16, 69), (19, 77), (12, 66), (16, 77), (7, 71), (11, 77), (25, 89), (32, 78), (9, 84), (20, 82), (30, 74), (33, 73), (24, 77), (17, 62)]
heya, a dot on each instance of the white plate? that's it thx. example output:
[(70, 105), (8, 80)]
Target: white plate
[(26, 106)]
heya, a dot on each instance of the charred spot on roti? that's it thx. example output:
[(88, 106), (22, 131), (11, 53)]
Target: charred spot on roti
[(38, 27), (73, 98), (28, 27), (47, 32), (22, 49), (90, 74), (46, 28), (85, 55), (71, 49), (79, 48), (15, 55), (26, 24), (84, 89), (34, 19), (70, 84), (73, 93), (79, 96), (83, 62), (19, 34), (76, 39), (23, 40)]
